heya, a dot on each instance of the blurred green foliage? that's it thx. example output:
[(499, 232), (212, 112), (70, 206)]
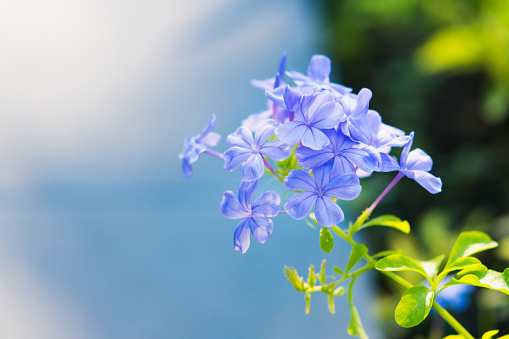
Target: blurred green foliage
[(440, 68)]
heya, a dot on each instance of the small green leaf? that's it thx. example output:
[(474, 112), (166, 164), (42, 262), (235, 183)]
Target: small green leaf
[(469, 243), (293, 276), (386, 253), (478, 275), (460, 264), (388, 221), (355, 327), (338, 270), (489, 334), (326, 240), (358, 251), (339, 291), (332, 307), (329, 289), (414, 306), (398, 262), (431, 266), (322, 272), (307, 299)]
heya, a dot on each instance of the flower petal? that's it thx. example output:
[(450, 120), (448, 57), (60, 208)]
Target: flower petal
[(261, 228), (418, 160), (291, 132), (265, 131), (314, 138), (300, 180), (361, 158), (321, 175), (327, 212), (210, 126), (300, 205), (406, 150), (187, 170), (211, 139), (253, 168), (246, 193), (267, 205), (341, 165), (328, 116), (388, 163), (319, 68), (427, 180), (276, 95), (310, 158), (345, 186), (293, 98), (236, 156), (276, 150), (231, 207), (241, 236), (242, 137)]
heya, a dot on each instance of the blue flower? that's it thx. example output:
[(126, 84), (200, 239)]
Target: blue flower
[(317, 191), (254, 120), (255, 217), (275, 82), (342, 151), (355, 107), (315, 112), (248, 151), (416, 165), (194, 146), (318, 76)]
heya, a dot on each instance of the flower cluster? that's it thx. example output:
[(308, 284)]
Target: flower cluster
[(318, 138)]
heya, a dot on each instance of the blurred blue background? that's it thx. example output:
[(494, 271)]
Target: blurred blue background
[(100, 237)]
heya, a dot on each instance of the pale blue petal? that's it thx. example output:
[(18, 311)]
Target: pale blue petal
[(300, 180), (341, 165), (241, 239), (345, 186), (242, 137), (236, 156), (300, 205), (312, 103), (406, 150), (267, 205), (342, 90), (292, 97), (309, 158), (418, 160), (211, 139), (210, 126), (327, 212), (291, 132), (261, 228), (314, 138), (187, 170), (276, 150), (282, 66), (231, 207), (246, 193), (431, 183), (363, 159), (253, 168), (339, 140), (388, 163), (276, 95), (297, 77), (254, 120), (319, 68), (265, 131), (328, 116)]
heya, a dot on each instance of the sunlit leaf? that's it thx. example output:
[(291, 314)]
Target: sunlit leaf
[(326, 240), (358, 251), (398, 262), (489, 334), (478, 275), (469, 243), (432, 266), (388, 221), (414, 306)]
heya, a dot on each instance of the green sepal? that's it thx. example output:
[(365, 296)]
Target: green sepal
[(358, 251), (293, 277), (469, 243), (388, 221), (329, 288), (322, 272), (339, 271), (414, 306), (339, 290), (432, 266), (307, 299), (398, 262), (332, 307), (326, 240), (311, 276), (479, 275)]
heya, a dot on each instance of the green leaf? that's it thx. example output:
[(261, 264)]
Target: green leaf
[(293, 276), (398, 262), (358, 251), (414, 306), (469, 243), (388, 221), (489, 334), (431, 266), (326, 240), (460, 264), (339, 270), (478, 275), (386, 253), (355, 327)]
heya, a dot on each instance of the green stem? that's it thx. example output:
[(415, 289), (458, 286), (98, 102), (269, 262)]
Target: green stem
[(406, 284)]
